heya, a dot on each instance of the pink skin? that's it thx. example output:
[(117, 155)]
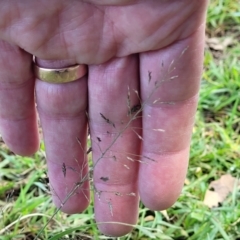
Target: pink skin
[(123, 43)]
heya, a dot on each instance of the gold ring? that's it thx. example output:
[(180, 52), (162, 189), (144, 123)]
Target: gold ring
[(60, 75)]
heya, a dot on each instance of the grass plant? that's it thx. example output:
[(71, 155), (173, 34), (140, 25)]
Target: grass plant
[(25, 200)]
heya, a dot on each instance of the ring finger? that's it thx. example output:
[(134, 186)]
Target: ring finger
[(62, 110)]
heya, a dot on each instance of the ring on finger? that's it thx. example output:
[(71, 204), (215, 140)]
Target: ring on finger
[(60, 75)]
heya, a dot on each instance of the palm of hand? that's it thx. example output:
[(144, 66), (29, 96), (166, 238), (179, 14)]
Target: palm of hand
[(93, 34), (78, 32)]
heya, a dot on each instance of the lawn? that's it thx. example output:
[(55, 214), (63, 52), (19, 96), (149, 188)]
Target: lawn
[(25, 201)]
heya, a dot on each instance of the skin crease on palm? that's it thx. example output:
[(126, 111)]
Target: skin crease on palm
[(124, 43)]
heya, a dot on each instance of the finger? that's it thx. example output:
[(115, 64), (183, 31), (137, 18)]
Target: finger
[(115, 130), (62, 111), (170, 80), (18, 124)]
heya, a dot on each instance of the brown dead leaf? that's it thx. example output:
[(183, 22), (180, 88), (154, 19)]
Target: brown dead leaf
[(165, 214), (149, 218), (186, 182), (221, 188), (219, 44)]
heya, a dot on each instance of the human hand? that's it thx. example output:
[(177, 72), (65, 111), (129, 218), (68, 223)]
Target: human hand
[(149, 49)]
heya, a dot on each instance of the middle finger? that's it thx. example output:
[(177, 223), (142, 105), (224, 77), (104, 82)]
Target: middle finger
[(115, 129)]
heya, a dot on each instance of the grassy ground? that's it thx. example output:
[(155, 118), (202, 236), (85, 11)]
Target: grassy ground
[(25, 205)]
